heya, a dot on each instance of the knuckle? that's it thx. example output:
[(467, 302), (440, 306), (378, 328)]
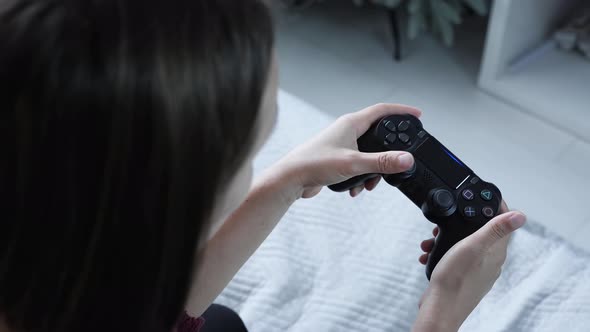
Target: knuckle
[(346, 163), (502, 258), (496, 257), (351, 162), (346, 119), (498, 230), (381, 105), (497, 260), (348, 122), (498, 273), (450, 280), (384, 163)]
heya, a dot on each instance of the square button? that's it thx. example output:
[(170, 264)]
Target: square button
[(468, 194)]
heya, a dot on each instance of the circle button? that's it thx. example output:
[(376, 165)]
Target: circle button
[(488, 211)]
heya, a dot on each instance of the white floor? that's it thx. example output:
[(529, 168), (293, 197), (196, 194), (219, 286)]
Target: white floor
[(338, 58)]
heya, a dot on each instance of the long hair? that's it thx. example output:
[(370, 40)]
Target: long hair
[(122, 122)]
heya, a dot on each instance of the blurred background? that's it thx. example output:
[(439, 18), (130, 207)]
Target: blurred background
[(504, 84)]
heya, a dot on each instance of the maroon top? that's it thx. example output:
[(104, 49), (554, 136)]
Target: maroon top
[(187, 323)]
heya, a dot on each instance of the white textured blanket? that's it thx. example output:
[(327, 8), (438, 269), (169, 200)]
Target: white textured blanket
[(335, 263)]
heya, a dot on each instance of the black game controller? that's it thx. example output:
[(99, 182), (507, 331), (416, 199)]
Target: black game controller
[(449, 193)]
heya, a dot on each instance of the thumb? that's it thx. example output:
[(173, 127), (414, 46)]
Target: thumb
[(390, 162), (499, 228)]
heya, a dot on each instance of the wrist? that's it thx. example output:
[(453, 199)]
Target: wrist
[(278, 180), (438, 312)]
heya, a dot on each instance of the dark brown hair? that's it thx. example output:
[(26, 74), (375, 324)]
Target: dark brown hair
[(122, 121)]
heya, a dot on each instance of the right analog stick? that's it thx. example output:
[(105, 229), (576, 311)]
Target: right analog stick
[(441, 203), (443, 200)]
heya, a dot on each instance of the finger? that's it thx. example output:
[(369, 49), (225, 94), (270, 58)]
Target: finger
[(363, 119), (423, 259), (498, 229), (356, 190), (427, 245), (372, 183), (389, 162), (435, 231), (503, 207)]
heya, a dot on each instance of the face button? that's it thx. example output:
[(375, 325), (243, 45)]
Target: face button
[(389, 125), (403, 126), (390, 138), (486, 195), (469, 211), (488, 211), (404, 137), (468, 194)]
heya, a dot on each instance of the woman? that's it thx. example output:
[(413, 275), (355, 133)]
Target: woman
[(125, 184)]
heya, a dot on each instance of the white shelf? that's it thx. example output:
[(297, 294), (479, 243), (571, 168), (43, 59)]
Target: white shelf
[(553, 84), (555, 87)]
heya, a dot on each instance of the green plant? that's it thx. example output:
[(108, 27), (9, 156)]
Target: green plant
[(436, 16)]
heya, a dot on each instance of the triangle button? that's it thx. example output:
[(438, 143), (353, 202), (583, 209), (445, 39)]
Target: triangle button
[(486, 195)]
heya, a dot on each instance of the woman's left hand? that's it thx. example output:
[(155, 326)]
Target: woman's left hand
[(333, 156)]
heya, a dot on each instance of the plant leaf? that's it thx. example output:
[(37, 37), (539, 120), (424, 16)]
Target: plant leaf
[(415, 6), (416, 24), (448, 12), (447, 32), (457, 5), (480, 6), (390, 3), (442, 24)]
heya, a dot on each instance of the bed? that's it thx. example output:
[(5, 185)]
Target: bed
[(335, 263)]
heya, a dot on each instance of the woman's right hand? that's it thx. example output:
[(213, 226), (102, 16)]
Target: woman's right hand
[(465, 274)]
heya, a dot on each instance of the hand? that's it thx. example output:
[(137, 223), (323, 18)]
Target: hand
[(466, 273), (333, 155)]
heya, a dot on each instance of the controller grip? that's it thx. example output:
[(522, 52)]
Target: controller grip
[(444, 241), (352, 182)]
